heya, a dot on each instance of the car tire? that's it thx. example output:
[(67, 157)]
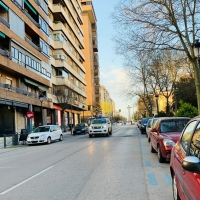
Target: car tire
[(108, 134), (61, 137), (175, 189), (111, 132), (90, 135), (48, 140), (152, 150), (161, 159)]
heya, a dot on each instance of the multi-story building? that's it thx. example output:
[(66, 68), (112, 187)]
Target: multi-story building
[(66, 55), (106, 103), (91, 54), (25, 71)]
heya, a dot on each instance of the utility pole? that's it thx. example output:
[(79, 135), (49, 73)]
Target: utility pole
[(129, 116)]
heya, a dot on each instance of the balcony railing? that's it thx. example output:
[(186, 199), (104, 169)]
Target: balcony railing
[(32, 44), (17, 4), (34, 22), (4, 22), (21, 91)]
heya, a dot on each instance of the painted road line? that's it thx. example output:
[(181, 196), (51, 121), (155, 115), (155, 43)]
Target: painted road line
[(28, 179), (152, 179), (167, 179), (147, 163)]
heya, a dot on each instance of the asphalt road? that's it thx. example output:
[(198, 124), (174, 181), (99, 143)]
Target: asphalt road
[(119, 167)]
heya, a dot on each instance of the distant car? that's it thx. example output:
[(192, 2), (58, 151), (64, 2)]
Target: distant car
[(165, 134), (185, 162), (142, 127), (149, 126), (81, 128), (119, 123), (100, 126), (45, 134)]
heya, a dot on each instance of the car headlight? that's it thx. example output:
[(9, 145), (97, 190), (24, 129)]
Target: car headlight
[(83, 129), (90, 127), (168, 143), (42, 137), (28, 137)]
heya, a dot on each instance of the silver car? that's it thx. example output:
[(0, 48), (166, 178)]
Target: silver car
[(150, 124)]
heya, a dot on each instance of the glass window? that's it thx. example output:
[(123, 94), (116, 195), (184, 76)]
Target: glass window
[(187, 134), (195, 143), (16, 54), (13, 51), (34, 64), (65, 74), (23, 60), (39, 67), (27, 60)]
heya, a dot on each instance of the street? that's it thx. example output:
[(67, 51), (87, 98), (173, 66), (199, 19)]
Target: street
[(119, 167)]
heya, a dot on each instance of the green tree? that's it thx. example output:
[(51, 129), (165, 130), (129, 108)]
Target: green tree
[(186, 110)]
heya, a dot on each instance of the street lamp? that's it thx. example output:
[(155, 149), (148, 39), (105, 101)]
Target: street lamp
[(196, 47), (156, 96), (42, 98), (83, 112)]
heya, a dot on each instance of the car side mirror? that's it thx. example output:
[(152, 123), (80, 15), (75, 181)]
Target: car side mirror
[(191, 164), (154, 130)]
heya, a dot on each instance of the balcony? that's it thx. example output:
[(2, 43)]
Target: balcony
[(95, 45), (32, 19), (2, 20), (33, 44)]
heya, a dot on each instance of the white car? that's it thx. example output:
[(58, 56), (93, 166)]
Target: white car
[(100, 126), (45, 134)]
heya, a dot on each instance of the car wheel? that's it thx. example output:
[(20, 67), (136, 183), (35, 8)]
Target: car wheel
[(108, 134), (90, 135), (61, 137), (161, 159), (174, 188), (152, 149), (48, 140)]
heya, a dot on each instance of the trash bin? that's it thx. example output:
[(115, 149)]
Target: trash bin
[(15, 139)]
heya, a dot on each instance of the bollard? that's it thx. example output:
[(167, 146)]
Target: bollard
[(4, 141)]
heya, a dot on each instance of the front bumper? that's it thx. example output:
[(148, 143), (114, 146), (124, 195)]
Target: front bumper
[(35, 141), (98, 131)]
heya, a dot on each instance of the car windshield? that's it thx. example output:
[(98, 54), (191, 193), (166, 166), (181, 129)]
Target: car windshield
[(145, 120), (80, 125), (42, 129), (175, 125), (99, 121)]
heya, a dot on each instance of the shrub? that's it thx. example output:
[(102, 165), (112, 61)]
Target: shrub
[(186, 110)]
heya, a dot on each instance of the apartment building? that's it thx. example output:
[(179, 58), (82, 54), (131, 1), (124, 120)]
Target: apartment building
[(91, 57), (106, 103), (25, 70), (66, 55)]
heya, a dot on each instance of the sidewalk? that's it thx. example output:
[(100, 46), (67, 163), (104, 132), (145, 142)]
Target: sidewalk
[(9, 141)]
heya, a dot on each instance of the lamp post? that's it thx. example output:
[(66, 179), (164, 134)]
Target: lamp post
[(42, 98), (149, 107), (156, 96), (83, 112)]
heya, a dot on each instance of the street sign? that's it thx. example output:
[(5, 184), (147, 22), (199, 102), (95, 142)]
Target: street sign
[(30, 115)]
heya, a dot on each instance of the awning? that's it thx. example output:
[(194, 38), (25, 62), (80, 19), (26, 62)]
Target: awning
[(40, 87), (31, 82), (30, 6), (2, 35), (4, 6)]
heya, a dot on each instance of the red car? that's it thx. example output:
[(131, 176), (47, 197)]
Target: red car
[(185, 163), (165, 134)]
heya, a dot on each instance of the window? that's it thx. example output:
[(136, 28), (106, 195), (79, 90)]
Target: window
[(187, 134), (195, 143), (8, 81)]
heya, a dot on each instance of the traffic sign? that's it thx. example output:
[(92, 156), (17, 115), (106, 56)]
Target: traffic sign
[(30, 115)]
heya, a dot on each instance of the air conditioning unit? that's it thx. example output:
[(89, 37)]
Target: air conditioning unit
[(62, 57), (7, 86), (57, 56)]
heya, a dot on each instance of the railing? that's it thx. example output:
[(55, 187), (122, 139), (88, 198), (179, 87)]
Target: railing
[(4, 22), (8, 140), (32, 44), (29, 16)]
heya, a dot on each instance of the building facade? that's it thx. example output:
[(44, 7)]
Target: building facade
[(91, 54)]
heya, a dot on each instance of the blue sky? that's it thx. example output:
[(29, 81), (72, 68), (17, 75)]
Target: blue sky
[(111, 74)]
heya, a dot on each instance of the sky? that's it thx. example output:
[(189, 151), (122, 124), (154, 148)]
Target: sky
[(112, 76)]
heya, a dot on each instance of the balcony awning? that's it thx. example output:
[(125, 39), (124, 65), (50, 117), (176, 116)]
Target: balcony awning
[(2, 35), (4, 6), (40, 87), (30, 6)]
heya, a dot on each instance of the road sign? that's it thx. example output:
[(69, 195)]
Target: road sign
[(30, 115)]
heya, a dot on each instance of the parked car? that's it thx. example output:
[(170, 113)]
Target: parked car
[(81, 128), (185, 162), (100, 126), (149, 126), (165, 134), (45, 134), (142, 127)]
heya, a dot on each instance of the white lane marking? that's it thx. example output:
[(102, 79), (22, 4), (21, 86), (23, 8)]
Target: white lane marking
[(26, 180)]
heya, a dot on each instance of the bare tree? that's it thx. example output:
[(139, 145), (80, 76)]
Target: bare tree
[(147, 25)]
